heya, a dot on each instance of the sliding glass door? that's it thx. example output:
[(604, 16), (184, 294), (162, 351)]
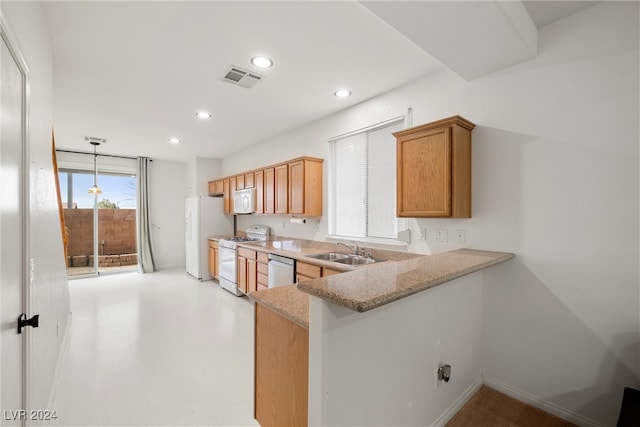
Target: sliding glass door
[(101, 227)]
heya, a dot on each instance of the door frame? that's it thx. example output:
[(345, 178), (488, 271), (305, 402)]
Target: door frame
[(11, 41)]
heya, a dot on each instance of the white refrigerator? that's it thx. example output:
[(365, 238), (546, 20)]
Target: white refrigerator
[(204, 217)]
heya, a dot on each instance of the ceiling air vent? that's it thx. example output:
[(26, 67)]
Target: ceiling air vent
[(240, 77)]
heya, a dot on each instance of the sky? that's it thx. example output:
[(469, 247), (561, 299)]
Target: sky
[(120, 189)]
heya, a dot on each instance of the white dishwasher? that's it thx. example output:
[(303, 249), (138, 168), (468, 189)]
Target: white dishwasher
[(281, 271)]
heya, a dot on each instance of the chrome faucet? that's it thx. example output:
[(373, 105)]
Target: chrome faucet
[(355, 248)]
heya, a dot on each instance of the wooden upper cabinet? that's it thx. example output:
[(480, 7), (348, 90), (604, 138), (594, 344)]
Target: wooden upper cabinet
[(240, 182), (293, 187), (282, 189), (269, 191), (305, 187), (249, 180), (226, 195), (434, 170), (258, 183), (216, 188)]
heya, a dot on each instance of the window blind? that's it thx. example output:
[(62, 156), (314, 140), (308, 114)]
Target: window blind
[(363, 183)]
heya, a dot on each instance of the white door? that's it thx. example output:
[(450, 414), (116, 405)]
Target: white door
[(12, 232)]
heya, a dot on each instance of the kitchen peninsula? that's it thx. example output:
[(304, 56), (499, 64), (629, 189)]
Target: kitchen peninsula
[(370, 339)]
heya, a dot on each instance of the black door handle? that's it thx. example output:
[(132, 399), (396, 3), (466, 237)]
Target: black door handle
[(23, 321)]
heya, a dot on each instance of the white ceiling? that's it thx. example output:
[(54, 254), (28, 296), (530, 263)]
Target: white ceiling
[(135, 73)]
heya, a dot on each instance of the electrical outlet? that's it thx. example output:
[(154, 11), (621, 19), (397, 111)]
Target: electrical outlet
[(423, 234), (442, 235), (460, 236)]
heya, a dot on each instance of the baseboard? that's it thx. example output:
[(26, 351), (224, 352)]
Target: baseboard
[(541, 404), (61, 356), (458, 404)]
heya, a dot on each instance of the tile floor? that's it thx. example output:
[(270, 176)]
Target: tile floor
[(156, 349)]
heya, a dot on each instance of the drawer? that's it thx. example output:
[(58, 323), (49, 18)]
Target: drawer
[(329, 272), (263, 257), (213, 243), (263, 279), (263, 268), (308, 270), (247, 253)]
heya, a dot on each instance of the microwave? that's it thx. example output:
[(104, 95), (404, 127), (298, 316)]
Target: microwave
[(244, 201)]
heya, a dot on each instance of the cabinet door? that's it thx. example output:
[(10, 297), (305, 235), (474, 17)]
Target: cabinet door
[(252, 275), (216, 267), (282, 189), (329, 272), (309, 270), (226, 195), (269, 191), (213, 262), (259, 185), (219, 188), (424, 174), (296, 187), (242, 274), (211, 188), (248, 180), (240, 182)]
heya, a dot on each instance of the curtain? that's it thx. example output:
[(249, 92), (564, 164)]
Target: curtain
[(145, 252)]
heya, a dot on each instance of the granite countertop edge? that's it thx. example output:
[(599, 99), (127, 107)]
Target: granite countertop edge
[(287, 301), (318, 287)]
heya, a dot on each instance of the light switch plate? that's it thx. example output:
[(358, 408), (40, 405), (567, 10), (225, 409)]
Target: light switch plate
[(442, 235)]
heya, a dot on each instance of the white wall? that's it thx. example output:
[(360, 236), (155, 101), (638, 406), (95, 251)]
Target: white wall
[(555, 180), (166, 207), (378, 367), (49, 292), (199, 171)]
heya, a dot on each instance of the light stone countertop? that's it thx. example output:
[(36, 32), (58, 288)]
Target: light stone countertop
[(378, 284), (287, 301), (366, 287)]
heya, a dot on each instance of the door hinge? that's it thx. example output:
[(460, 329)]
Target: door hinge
[(23, 322)]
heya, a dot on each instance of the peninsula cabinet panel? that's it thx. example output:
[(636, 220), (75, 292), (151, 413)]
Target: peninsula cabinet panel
[(434, 170), (282, 189), (281, 370), (269, 191)]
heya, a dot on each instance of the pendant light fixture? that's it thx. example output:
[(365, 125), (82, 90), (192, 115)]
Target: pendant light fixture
[(95, 190)]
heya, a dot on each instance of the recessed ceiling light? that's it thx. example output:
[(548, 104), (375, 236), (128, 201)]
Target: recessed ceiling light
[(342, 93), (174, 140), (203, 115), (261, 62)]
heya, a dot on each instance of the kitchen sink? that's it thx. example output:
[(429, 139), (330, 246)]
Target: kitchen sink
[(356, 260), (329, 256), (342, 258)]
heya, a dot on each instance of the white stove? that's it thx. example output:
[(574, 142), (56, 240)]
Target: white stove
[(228, 254)]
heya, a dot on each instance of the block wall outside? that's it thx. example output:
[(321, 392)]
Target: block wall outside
[(116, 228)]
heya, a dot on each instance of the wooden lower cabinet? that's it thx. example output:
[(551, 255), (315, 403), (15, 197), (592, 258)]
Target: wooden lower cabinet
[(281, 370), (247, 270), (305, 271), (213, 259), (263, 271)]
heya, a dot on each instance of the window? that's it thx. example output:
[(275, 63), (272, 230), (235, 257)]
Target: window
[(363, 184)]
